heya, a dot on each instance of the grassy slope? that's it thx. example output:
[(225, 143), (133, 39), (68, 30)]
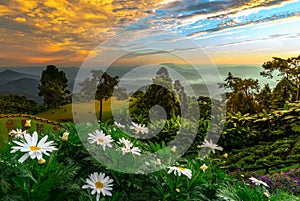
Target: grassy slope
[(17, 124), (64, 113)]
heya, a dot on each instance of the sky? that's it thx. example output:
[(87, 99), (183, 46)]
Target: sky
[(223, 32)]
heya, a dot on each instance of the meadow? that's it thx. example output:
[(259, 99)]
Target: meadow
[(74, 167)]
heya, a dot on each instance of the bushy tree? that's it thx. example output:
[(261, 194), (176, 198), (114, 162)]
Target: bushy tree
[(285, 90), (14, 104), (104, 87), (241, 94), (53, 87), (288, 68), (264, 98), (163, 93)]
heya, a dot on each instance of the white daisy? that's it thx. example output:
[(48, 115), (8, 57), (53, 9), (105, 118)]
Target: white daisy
[(99, 184), (100, 138), (65, 136), (181, 170), (203, 167), (133, 150), (119, 125), (211, 145), (258, 182), (124, 142), (32, 147), (18, 133), (139, 128), (127, 147)]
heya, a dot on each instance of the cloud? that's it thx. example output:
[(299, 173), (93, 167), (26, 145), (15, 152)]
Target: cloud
[(51, 30)]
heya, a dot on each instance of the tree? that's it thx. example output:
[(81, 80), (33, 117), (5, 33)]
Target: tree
[(285, 90), (14, 104), (163, 92), (264, 98), (105, 85), (289, 68), (53, 87), (241, 95)]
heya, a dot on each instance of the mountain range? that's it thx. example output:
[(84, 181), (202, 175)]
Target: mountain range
[(25, 80), (26, 84)]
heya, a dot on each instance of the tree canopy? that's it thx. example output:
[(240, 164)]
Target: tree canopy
[(53, 87), (105, 85), (289, 68)]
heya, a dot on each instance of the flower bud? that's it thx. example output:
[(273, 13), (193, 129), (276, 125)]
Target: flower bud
[(27, 123), (41, 161), (65, 136), (203, 167), (173, 149)]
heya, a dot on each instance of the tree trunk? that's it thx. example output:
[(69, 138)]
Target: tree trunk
[(100, 112), (298, 92)]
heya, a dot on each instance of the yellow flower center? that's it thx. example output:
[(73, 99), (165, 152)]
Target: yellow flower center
[(181, 168), (100, 140), (34, 148), (99, 184)]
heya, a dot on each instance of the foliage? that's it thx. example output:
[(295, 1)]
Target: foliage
[(241, 97), (162, 93), (16, 104), (53, 87), (100, 87), (62, 176), (289, 68)]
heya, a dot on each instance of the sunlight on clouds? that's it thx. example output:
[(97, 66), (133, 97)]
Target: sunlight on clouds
[(75, 26), (68, 30), (20, 19)]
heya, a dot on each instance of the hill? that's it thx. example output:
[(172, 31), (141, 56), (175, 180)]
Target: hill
[(25, 86), (64, 113)]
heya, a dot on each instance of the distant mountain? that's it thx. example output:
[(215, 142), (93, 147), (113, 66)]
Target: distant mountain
[(10, 75), (27, 87), (25, 81)]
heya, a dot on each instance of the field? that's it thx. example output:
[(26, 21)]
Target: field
[(17, 124), (64, 113)]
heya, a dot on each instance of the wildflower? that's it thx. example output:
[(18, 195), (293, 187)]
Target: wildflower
[(133, 150), (128, 147), (33, 149), (211, 145), (125, 142), (177, 190), (119, 125), (258, 182), (100, 138), (99, 184), (203, 167), (225, 155), (158, 162), (173, 149), (139, 128), (18, 133), (181, 170), (27, 124), (266, 194), (65, 136), (41, 161)]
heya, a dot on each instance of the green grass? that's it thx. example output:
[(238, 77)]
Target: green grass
[(64, 113), (17, 124)]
